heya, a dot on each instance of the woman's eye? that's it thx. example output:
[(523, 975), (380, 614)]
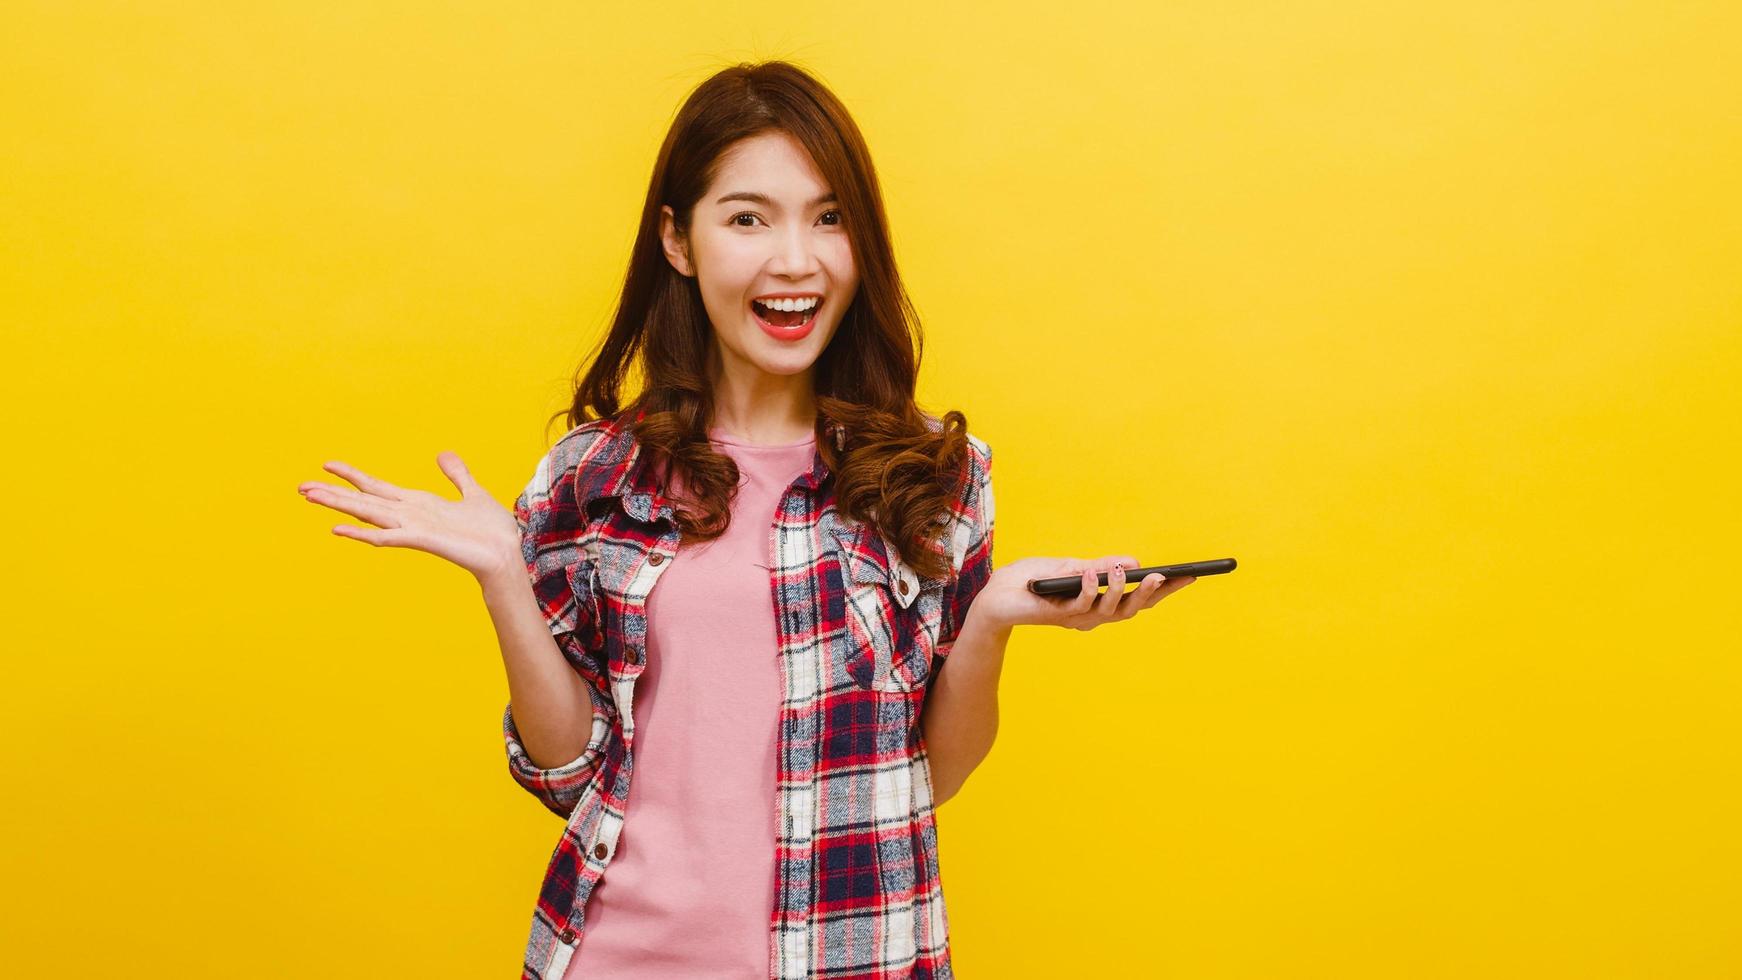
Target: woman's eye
[(839, 217)]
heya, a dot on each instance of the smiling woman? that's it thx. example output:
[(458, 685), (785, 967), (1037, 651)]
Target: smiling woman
[(785, 543)]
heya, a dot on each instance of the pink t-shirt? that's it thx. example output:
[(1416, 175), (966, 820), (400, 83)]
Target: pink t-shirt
[(690, 890)]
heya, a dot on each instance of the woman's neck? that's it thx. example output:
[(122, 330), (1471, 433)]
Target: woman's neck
[(764, 408)]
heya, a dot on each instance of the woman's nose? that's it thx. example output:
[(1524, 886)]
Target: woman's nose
[(796, 254)]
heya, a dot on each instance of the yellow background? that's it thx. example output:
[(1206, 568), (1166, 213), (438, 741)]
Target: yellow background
[(1427, 313)]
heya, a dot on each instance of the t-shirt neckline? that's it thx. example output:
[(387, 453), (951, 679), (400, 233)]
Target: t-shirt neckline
[(717, 434)]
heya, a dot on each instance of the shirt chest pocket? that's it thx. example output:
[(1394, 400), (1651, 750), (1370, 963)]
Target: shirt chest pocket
[(891, 615)]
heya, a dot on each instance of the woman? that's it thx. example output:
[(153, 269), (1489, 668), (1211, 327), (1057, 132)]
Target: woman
[(821, 548)]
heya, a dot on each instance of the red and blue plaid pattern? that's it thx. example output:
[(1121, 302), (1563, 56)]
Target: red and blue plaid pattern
[(857, 892)]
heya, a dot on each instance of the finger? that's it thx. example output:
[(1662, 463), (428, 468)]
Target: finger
[(370, 535), (1086, 597), (1168, 588), (1177, 583), (363, 481), (458, 474), (372, 509), (1153, 596), (1126, 562), (1108, 603), (1143, 596)]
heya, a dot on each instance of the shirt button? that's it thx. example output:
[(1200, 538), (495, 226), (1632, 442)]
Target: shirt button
[(600, 850), (566, 934), (901, 586), (655, 558)]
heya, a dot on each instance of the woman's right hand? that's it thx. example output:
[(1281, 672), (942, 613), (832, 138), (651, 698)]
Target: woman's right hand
[(474, 532)]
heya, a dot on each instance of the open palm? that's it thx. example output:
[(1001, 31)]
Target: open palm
[(474, 532)]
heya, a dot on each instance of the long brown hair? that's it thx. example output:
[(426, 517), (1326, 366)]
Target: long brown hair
[(901, 467)]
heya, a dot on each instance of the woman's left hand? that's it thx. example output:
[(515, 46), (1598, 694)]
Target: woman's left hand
[(1005, 601)]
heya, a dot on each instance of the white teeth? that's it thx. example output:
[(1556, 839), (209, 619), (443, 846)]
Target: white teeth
[(790, 305)]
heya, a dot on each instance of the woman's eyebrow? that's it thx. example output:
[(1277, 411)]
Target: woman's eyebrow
[(766, 201)]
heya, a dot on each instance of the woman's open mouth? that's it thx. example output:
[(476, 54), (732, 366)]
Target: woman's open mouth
[(785, 324)]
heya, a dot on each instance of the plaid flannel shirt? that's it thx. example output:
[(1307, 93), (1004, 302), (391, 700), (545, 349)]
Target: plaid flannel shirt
[(857, 893)]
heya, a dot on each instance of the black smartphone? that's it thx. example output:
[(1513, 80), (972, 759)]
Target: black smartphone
[(1072, 585)]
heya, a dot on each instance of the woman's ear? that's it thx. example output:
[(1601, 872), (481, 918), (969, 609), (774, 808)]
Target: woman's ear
[(677, 250)]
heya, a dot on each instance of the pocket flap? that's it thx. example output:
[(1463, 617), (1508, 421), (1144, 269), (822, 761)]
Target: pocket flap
[(871, 558)]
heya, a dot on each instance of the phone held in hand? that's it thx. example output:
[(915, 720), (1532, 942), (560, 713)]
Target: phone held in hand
[(1071, 585)]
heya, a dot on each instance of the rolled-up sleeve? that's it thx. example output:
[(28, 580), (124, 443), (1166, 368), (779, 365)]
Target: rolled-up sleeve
[(973, 548), (551, 528), (560, 789)]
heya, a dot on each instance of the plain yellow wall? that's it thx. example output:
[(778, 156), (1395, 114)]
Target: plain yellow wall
[(1427, 313)]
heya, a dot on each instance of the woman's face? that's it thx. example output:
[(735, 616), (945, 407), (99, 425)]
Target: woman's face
[(767, 227)]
